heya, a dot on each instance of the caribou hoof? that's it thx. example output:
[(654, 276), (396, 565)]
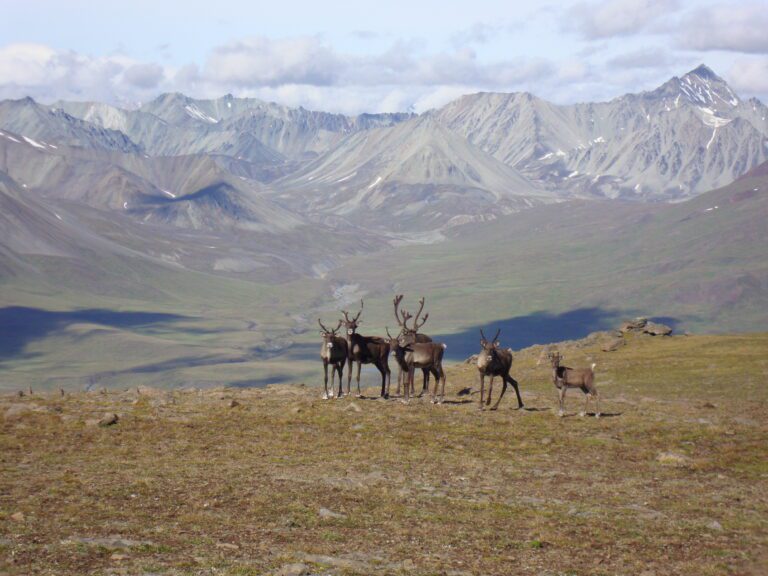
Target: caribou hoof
[(325, 396), (597, 415), (495, 408), (561, 413), (582, 414)]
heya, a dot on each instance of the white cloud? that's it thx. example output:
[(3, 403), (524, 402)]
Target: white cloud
[(738, 28), (595, 20), (749, 76)]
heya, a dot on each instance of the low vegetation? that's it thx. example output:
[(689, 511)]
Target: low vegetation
[(672, 480)]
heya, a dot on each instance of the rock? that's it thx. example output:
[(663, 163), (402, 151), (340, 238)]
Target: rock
[(17, 411), (296, 410), (352, 407), (715, 525), (112, 542), (546, 441), (18, 517), (672, 459), (227, 546), (708, 405), (118, 557), (325, 513), (109, 419), (655, 329), (614, 345), (471, 360), (633, 325), (234, 403), (295, 569)]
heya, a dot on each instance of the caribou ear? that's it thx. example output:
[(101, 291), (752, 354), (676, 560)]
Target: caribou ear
[(497, 344)]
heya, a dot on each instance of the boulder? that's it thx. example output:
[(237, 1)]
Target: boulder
[(655, 329), (613, 345), (633, 325)]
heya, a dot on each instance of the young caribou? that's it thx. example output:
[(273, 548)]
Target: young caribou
[(564, 378), (333, 352), (493, 361)]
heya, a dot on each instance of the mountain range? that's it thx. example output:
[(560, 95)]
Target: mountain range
[(248, 213)]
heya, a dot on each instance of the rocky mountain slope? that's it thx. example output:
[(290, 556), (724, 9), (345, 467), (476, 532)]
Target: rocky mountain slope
[(686, 137)]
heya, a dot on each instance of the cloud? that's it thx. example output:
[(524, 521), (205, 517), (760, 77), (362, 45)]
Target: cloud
[(144, 75), (477, 33), (749, 76), (737, 28), (597, 20), (651, 58), (262, 61)]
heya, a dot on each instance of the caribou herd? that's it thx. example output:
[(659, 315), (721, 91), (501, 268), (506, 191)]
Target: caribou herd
[(413, 349)]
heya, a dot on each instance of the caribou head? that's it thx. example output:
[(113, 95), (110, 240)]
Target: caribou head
[(490, 350), (408, 333), (351, 324)]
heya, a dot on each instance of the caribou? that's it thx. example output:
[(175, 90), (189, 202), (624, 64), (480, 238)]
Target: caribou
[(333, 352), (365, 350), (582, 378), (400, 352), (427, 355), (493, 361)]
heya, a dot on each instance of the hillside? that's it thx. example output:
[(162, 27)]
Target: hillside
[(276, 481)]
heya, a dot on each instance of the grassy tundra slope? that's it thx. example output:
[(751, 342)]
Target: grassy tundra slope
[(673, 480)]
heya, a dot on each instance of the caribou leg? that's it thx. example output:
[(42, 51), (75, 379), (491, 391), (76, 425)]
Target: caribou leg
[(442, 390), (517, 391), (503, 389), (482, 390), (359, 366), (490, 391), (340, 367), (562, 401), (325, 382), (425, 387)]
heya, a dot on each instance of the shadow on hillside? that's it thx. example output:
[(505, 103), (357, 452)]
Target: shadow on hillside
[(19, 325), (537, 328)]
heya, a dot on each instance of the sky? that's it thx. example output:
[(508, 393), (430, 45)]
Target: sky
[(365, 56)]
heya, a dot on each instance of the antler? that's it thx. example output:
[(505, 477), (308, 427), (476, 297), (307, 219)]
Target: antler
[(496, 338), (388, 334), (483, 336), (337, 327), (416, 324), (396, 302), (323, 328), (361, 310)]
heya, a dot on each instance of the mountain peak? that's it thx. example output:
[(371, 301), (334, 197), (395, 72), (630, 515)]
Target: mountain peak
[(704, 72)]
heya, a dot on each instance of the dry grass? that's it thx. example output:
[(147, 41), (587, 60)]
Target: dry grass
[(673, 481)]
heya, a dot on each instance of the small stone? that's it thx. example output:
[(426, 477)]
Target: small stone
[(296, 410), (17, 517), (295, 569), (672, 459), (546, 441), (715, 525), (655, 329), (109, 419), (234, 403), (325, 513), (118, 557), (227, 546), (353, 407)]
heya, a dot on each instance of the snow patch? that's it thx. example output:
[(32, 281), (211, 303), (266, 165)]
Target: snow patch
[(198, 114), (57, 216), (171, 194), (710, 209), (714, 131), (375, 182), (125, 205), (346, 177)]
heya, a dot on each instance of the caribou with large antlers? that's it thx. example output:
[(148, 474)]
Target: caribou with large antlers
[(365, 350), (493, 361), (427, 355), (333, 352), (400, 352)]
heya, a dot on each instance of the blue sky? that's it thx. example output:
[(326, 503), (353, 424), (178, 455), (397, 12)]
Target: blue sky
[(373, 56)]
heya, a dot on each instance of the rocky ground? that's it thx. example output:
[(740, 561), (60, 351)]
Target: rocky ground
[(673, 479)]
